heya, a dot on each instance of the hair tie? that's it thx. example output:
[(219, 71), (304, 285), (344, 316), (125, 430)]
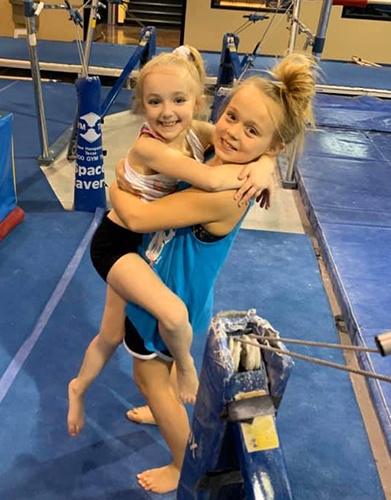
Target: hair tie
[(183, 52)]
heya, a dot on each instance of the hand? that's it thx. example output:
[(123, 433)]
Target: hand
[(264, 199), (121, 179), (259, 183)]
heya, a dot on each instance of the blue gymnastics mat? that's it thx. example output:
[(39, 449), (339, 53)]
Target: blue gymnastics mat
[(319, 423), (115, 57), (345, 181)]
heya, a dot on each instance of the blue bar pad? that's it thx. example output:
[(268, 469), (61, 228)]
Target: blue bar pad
[(90, 190), (229, 67), (7, 188), (229, 455), (221, 94)]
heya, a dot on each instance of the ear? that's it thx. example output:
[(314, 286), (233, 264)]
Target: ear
[(200, 101), (276, 149)]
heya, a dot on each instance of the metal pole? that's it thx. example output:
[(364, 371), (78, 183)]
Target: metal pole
[(320, 37), (71, 152), (295, 25), (111, 13), (289, 181), (90, 36), (29, 15), (316, 51)]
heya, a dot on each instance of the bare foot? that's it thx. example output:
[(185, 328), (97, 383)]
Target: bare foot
[(187, 383), (75, 410), (141, 415), (161, 480)]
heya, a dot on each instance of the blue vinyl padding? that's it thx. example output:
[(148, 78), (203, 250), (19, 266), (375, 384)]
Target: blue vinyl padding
[(345, 181), (359, 113), (7, 189), (115, 56)]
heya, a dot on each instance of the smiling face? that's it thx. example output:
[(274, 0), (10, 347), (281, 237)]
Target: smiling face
[(169, 101), (246, 130)]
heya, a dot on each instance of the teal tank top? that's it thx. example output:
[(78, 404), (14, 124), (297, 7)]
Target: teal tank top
[(189, 267)]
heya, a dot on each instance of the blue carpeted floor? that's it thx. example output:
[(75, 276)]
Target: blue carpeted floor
[(319, 423)]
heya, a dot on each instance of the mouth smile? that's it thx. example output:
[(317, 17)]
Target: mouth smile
[(227, 145), (169, 124)]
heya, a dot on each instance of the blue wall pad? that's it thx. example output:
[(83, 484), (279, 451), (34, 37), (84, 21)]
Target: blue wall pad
[(345, 178), (319, 423)]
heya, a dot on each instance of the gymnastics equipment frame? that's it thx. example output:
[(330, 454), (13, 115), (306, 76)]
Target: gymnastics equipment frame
[(31, 10), (146, 49)]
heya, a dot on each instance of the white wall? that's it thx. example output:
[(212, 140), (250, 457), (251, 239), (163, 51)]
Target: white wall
[(371, 40), (53, 24)]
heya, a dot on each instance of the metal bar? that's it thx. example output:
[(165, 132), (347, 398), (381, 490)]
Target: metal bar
[(318, 361), (317, 344), (289, 181), (90, 35), (29, 16), (320, 37), (294, 25)]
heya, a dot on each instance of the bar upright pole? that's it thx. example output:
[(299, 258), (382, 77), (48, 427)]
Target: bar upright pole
[(29, 15)]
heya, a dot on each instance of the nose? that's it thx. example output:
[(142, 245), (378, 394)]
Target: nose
[(234, 130), (167, 109)]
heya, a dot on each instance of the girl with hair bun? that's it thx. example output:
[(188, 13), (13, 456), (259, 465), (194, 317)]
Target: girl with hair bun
[(260, 117)]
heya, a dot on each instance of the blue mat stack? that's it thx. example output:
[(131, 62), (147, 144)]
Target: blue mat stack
[(345, 181)]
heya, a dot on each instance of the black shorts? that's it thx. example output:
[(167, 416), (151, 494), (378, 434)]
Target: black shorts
[(134, 344), (109, 243)]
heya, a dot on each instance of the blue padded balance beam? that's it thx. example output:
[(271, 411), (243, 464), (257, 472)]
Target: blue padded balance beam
[(233, 449)]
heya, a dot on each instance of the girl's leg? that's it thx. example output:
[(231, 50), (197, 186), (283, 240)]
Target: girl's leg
[(99, 351), (132, 278), (143, 414), (153, 379)]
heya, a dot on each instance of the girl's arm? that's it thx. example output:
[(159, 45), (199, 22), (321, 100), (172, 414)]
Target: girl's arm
[(259, 182), (181, 209), (163, 158)]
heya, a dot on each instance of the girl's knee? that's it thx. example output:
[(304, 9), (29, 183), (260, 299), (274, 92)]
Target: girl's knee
[(151, 377), (175, 319), (145, 384), (112, 338), (141, 384)]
